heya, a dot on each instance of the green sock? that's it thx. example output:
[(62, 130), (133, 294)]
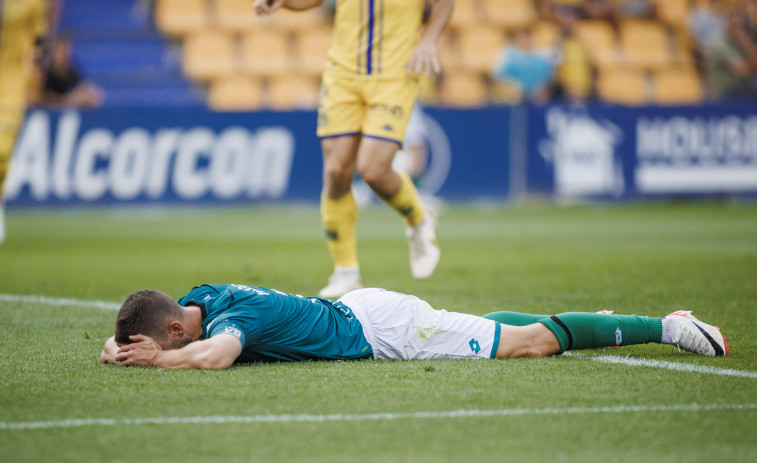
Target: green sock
[(515, 318), (579, 330)]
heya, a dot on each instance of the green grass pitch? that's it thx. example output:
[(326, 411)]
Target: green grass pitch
[(57, 403)]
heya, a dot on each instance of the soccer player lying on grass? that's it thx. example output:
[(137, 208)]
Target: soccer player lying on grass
[(216, 325)]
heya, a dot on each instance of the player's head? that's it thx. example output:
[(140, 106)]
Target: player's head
[(154, 314), (523, 38)]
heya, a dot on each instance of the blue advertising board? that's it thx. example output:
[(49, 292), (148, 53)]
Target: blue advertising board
[(198, 156), (612, 151), (195, 156)]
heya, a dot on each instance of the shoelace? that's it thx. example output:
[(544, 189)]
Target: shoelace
[(688, 336)]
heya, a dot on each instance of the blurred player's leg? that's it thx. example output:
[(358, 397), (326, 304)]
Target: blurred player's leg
[(339, 214), (396, 188), (22, 23), (398, 191), (424, 247), (9, 123)]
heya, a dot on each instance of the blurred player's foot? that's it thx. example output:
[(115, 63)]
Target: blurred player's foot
[(689, 333), (2, 223), (341, 282), (424, 248)]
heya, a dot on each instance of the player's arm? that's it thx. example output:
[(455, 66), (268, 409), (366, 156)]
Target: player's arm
[(425, 59), (108, 355), (216, 353), (269, 6)]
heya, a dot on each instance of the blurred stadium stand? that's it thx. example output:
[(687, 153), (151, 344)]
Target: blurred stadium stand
[(117, 46), (196, 52)]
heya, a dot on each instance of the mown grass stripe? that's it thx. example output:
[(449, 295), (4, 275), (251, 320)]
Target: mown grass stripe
[(636, 362), (307, 418)]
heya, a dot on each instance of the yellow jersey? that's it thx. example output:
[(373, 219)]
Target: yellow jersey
[(22, 22), (375, 37)]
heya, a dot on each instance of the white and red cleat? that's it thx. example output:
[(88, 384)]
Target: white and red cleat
[(424, 248), (693, 335)]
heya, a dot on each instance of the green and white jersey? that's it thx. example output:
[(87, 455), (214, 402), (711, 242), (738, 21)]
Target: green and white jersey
[(276, 326)]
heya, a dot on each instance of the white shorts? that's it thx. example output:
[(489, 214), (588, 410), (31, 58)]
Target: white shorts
[(399, 326)]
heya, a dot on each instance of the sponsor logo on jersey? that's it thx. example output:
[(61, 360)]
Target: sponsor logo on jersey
[(233, 330)]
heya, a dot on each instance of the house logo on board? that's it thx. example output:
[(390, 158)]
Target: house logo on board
[(582, 150)]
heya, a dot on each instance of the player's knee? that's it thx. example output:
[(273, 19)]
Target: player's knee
[(337, 174), (539, 351), (373, 175)]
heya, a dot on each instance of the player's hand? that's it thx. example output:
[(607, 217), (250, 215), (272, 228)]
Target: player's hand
[(264, 7), (141, 352), (425, 60)]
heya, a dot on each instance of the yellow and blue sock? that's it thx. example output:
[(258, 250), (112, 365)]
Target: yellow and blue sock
[(407, 202), (339, 218)]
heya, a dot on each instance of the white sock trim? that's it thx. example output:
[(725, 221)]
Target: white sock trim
[(347, 271), (668, 330)]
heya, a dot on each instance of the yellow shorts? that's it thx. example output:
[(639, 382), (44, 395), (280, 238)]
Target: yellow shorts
[(377, 108)]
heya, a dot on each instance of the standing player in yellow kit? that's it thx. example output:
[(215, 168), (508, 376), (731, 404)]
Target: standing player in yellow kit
[(23, 24), (378, 51)]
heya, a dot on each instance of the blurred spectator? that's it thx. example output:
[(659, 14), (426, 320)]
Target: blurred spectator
[(574, 73), (602, 10), (725, 45), (707, 24), (749, 8), (563, 12), (63, 85), (743, 30), (637, 9), (531, 70)]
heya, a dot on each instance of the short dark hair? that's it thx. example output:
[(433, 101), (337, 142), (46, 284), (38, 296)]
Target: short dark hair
[(146, 312)]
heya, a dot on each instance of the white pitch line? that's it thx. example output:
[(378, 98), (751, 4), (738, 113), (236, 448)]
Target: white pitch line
[(677, 366), (306, 418), (59, 301)]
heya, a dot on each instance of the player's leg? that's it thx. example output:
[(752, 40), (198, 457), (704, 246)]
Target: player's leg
[(534, 340), (340, 115), (6, 150), (579, 330), (11, 119), (397, 190), (571, 331), (390, 105), (339, 214)]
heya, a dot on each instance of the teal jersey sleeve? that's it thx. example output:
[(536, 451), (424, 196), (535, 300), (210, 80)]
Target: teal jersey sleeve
[(276, 326), (228, 327)]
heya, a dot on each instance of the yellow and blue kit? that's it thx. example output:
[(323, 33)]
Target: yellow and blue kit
[(366, 86)]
